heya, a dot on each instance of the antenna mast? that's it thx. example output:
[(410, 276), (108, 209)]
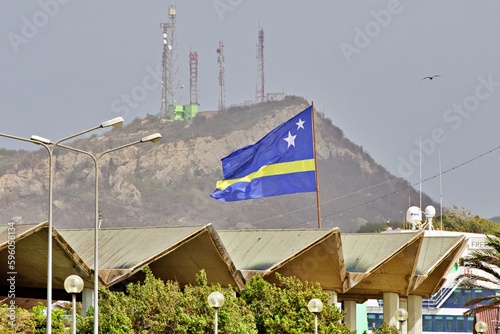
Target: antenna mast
[(259, 92), (169, 58), (220, 60), (193, 77)]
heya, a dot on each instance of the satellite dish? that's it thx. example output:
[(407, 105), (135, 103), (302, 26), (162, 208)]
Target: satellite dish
[(414, 216), (430, 212)]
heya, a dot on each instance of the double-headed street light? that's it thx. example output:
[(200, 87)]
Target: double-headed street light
[(151, 138), (118, 121), (113, 122)]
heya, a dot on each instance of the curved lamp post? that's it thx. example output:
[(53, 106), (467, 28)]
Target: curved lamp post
[(73, 284), (151, 138), (481, 327), (216, 300), (35, 139), (315, 306), (401, 315)]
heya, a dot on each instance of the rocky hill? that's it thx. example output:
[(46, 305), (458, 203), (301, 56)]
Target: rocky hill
[(169, 182)]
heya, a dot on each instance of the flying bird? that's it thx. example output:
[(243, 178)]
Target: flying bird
[(431, 77)]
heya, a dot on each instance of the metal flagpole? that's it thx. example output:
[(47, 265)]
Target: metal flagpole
[(316, 165)]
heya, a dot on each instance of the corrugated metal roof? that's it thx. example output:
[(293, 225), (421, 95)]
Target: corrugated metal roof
[(124, 248), (262, 249), (31, 248), (365, 251), (374, 263), (436, 258), (172, 253), (19, 230), (434, 250)]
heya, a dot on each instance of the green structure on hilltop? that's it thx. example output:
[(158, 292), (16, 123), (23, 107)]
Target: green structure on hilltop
[(183, 112)]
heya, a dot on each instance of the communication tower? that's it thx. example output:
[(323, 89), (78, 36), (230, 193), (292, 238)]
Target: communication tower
[(220, 60), (169, 59), (193, 77), (259, 91)]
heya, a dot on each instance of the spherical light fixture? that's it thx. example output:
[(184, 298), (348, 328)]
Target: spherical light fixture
[(481, 327), (216, 300)]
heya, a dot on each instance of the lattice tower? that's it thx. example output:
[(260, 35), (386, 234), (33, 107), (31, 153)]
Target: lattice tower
[(220, 60), (259, 91)]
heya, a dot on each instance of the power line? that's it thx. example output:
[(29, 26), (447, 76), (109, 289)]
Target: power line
[(373, 186)]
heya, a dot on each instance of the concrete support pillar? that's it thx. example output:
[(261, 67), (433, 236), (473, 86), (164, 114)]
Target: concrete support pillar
[(333, 297), (87, 299), (414, 314), (350, 314), (391, 304)]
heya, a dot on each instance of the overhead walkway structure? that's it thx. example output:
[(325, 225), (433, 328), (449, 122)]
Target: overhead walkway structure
[(399, 268)]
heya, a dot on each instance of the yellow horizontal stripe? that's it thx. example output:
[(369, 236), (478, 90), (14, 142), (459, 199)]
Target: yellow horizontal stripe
[(272, 170)]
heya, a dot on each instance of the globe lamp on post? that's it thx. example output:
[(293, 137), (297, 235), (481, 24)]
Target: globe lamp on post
[(401, 315), (73, 284), (315, 306), (216, 300)]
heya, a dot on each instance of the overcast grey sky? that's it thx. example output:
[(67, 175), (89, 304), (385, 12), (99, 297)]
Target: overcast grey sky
[(68, 65)]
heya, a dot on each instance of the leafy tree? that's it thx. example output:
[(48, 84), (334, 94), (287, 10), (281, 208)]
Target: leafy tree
[(487, 261), (282, 308), (34, 322), (114, 314), (455, 219), (386, 329), (154, 306), (14, 320), (371, 228)]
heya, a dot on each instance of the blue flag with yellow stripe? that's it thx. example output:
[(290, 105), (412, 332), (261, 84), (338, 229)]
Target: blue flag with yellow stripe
[(280, 163)]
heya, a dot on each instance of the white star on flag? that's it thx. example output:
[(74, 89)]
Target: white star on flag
[(300, 124), (290, 140)]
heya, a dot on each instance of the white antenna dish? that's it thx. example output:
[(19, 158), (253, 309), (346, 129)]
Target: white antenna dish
[(414, 216), (430, 212)]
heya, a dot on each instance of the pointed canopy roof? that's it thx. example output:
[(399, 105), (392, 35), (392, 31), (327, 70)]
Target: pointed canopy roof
[(30, 251), (172, 253), (310, 255)]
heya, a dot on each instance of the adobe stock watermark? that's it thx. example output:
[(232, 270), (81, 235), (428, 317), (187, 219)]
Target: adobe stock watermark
[(11, 274), (453, 116), (128, 101), (224, 6), (364, 36), (31, 26)]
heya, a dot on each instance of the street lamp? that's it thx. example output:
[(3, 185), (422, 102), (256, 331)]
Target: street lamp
[(73, 284), (216, 300), (315, 306), (481, 327), (151, 138), (401, 315), (35, 139), (118, 121), (49, 242)]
